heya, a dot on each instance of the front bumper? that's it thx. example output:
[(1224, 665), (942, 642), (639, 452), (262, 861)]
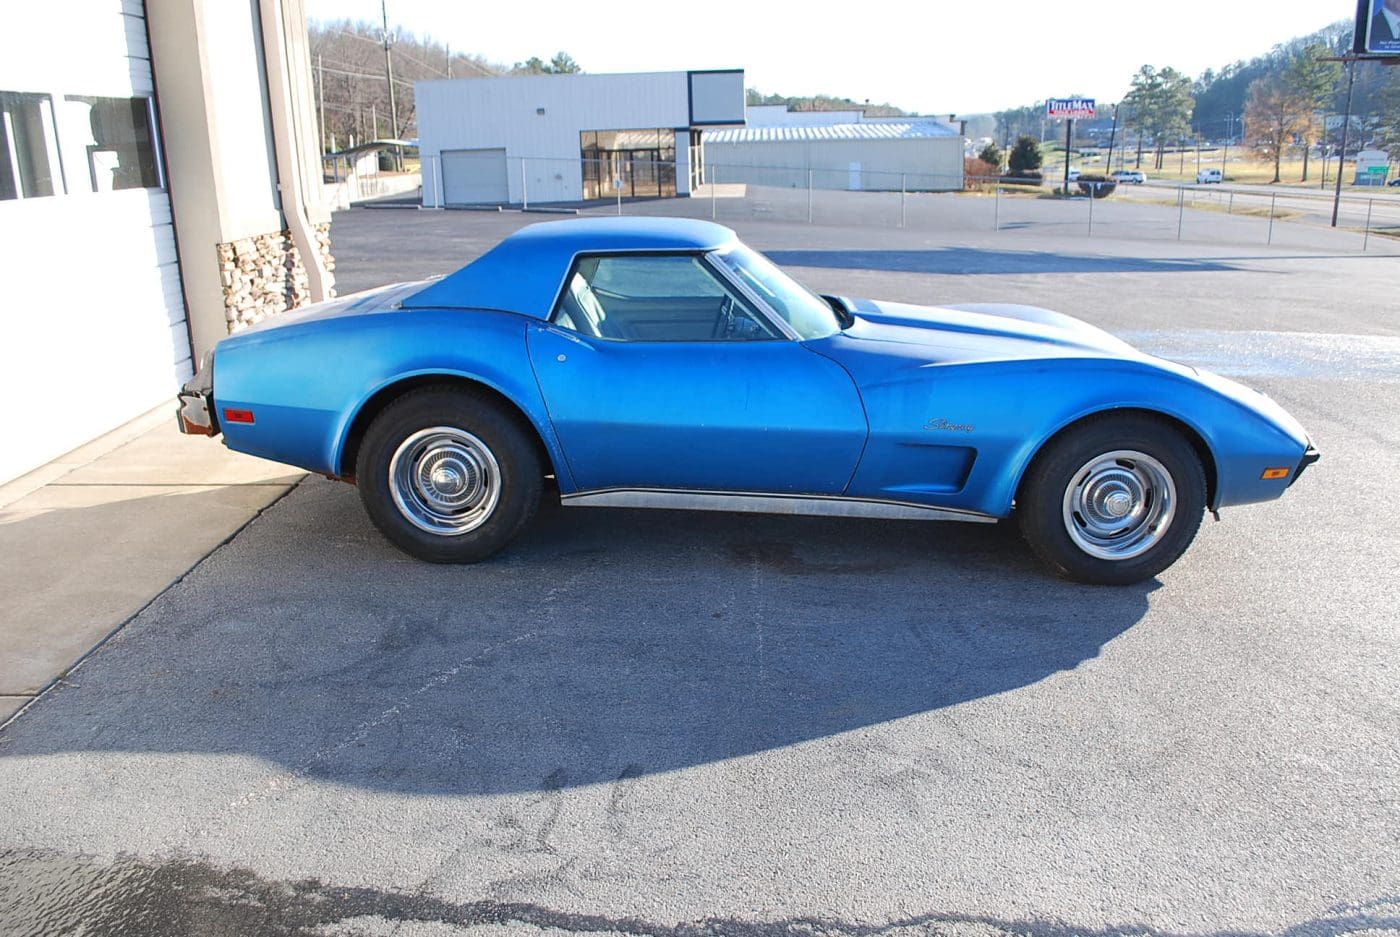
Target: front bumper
[(1310, 456)]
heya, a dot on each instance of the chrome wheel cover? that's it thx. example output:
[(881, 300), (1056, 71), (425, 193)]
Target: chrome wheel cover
[(1119, 505), (444, 480)]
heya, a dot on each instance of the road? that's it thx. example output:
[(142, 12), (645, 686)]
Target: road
[(670, 724), (1312, 206)]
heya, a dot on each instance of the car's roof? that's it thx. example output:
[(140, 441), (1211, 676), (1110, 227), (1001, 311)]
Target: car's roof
[(523, 273)]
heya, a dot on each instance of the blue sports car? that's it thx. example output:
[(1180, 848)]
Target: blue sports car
[(662, 363)]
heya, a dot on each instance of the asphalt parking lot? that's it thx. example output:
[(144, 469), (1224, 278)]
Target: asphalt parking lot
[(671, 725)]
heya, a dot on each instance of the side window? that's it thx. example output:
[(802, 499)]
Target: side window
[(655, 298), (28, 159), (120, 146)]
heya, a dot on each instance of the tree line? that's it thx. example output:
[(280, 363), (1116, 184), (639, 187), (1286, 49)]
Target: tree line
[(821, 102), (1276, 102)]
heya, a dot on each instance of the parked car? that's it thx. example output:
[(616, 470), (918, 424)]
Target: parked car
[(1135, 176), (661, 363), (1209, 175), (1395, 181)]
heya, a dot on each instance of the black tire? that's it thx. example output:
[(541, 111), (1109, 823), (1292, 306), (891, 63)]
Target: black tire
[(484, 491), (1066, 484)]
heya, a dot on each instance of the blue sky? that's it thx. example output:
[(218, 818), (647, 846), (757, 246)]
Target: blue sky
[(933, 57)]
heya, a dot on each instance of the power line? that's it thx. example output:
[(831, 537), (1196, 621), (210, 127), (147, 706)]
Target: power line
[(405, 55), (372, 77)]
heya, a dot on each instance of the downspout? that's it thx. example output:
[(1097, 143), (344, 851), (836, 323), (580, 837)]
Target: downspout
[(288, 118)]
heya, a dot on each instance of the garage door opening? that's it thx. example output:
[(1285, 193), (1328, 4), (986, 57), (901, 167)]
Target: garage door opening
[(475, 177)]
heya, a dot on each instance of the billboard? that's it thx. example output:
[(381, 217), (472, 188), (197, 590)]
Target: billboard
[(716, 98), (1377, 28), (1077, 108)]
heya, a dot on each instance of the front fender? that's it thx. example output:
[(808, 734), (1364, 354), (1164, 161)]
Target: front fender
[(1006, 411), (1243, 432)]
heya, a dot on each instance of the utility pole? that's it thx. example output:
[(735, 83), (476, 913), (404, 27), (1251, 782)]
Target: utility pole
[(389, 77), (1112, 137), (1342, 154), (1229, 132), (449, 60), (1326, 151), (1068, 143)]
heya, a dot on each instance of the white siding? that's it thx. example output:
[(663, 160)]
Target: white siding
[(94, 317), (928, 164), (491, 113)]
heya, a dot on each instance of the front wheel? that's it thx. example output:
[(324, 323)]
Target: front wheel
[(448, 475), (1114, 500)]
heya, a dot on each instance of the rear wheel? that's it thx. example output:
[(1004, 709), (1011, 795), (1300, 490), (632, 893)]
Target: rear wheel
[(448, 475), (1114, 500)]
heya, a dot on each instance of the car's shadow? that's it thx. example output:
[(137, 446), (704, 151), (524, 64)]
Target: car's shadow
[(603, 645)]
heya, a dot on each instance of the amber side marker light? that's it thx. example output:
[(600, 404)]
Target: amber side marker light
[(246, 416), (1268, 473)]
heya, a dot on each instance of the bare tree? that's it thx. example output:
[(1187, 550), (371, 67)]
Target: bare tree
[(347, 61), (1274, 113)]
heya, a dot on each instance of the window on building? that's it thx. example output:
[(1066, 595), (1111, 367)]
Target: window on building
[(643, 162), (28, 161), (121, 151)]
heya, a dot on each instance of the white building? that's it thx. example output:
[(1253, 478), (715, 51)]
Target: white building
[(139, 223), (917, 154), (566, 138)]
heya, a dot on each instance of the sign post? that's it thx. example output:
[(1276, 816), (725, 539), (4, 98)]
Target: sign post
[(1069, 109)]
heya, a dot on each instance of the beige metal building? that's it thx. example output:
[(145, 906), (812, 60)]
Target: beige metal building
[(882, 155)]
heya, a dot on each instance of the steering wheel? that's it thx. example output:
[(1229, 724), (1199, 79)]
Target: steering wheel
[(724, 321)]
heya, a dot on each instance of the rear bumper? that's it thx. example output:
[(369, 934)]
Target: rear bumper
[(196, 414), (195, 411)]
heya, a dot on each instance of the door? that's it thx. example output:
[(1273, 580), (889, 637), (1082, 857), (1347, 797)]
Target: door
[(474, 177), (93, 281), (663, 377)]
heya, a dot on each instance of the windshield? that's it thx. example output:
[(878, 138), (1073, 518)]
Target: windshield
[(808, 314)]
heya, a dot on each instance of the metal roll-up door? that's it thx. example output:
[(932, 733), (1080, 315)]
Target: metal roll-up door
[(474, 177)]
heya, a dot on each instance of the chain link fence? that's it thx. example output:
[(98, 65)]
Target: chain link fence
[(857, 196)]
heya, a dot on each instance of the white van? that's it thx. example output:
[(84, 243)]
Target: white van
[(1209, 175)]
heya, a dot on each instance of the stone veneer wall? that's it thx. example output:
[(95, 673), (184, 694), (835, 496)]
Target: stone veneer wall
[(263, 275)]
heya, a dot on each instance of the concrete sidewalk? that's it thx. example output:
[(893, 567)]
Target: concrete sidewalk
[(89, 540)]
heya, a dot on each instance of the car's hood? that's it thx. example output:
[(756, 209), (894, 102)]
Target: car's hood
[(983, 332), (891, 342)]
